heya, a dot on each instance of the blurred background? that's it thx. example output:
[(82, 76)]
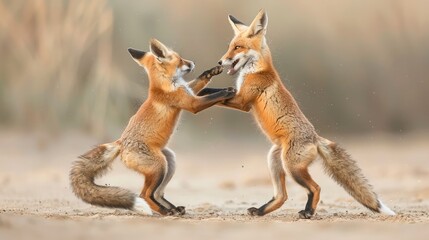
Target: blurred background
[(358, 69), (355, 67)]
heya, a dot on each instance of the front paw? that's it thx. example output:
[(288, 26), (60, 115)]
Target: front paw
[(211, 72), (230, 92), (231, 89)]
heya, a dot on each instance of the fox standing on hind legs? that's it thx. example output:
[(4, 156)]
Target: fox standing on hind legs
[(142, 146), (295, 142)]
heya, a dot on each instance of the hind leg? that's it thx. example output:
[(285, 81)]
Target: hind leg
[(170, 157), (154, 167), (278, 179), (153, 180), (303, 178), (297, 163)]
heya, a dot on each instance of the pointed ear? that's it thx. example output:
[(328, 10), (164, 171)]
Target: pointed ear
[(136, 54), (236, 25), (259, 24), (159, 50)]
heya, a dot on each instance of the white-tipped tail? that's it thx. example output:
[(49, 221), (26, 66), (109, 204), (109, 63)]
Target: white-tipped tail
[(385, 209), (140, 205)]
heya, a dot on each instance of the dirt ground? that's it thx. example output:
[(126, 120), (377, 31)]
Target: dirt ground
[(217, 181)]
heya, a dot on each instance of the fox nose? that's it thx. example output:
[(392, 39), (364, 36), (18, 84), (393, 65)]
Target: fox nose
[(192, 66), (220, 62)]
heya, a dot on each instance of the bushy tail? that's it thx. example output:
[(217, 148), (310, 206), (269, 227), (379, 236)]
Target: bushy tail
[(344, 170), (92, 165)]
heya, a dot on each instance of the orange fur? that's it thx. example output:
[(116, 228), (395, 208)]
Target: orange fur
[(142, 145), (260, 89)]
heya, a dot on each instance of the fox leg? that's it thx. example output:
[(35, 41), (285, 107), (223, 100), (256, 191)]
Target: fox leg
[(154, 168), (303, 178), (201, 81), (153, 180), (207, 91), (298, 167), (170, 157), (278, 179), (240, 102), (197, 104)]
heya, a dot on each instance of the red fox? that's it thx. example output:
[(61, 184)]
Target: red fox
[(142, 146), (295, 142)]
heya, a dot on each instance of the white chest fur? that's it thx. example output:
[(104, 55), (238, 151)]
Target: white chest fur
[(180, 82), (248, 68), (240, 81)]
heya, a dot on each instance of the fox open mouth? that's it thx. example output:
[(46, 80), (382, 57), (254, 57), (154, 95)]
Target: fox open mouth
[(233, 68)]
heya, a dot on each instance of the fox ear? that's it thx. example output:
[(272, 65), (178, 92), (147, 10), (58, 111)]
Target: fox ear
[(136, 54), (159, 50), (259, 24), (236, 25)]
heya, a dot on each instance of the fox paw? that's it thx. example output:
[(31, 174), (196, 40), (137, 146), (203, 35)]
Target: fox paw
[(180, 210), (254, 211), (231, 89), (166, 212), (305, 214), (229, 93), (212, 72)]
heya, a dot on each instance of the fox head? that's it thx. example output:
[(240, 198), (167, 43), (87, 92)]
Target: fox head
[(248, 44), (163, 65)]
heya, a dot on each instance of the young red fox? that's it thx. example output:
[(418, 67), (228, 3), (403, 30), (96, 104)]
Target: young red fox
[(295, 142), (142, 146)]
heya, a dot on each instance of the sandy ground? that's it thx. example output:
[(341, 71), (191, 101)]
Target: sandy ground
[(217, 181)]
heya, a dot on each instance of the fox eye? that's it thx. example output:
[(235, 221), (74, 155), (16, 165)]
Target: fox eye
[(237, 47)]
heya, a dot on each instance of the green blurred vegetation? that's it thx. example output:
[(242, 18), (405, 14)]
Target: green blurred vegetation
[(353, 66)]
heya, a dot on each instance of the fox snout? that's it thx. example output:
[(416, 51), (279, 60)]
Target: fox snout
[(225, 61), (191, 66), (233, 65), (188, 66)]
